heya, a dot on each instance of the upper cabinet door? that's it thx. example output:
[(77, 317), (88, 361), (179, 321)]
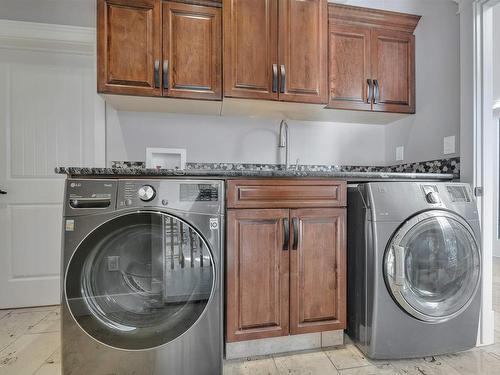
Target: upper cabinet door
[(129, 47), (318, 270), (192, 51), (303, 50), (351, 86), (250, 49), (393, 71)]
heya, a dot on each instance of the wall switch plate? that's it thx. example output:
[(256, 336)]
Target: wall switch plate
[(400, 153), (449, 145)]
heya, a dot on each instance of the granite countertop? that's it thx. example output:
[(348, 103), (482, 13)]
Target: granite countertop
[(248, 173)]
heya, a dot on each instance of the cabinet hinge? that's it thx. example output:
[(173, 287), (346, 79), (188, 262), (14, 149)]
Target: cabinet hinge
[(478, 191)]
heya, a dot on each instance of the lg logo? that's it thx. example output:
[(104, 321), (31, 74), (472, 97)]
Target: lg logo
[(74, 185)]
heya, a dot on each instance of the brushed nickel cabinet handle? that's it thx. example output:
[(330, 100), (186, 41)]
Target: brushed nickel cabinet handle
[(286, 227), (165, 74), (376, 98), (157, 74), (370, 91), (283, 79), (295, 223), (275, 77)]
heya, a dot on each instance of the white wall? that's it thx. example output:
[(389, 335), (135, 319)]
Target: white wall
[(496, 54), (438, 80), (438, 101), (64, 12), (250, 140), (245, 140)]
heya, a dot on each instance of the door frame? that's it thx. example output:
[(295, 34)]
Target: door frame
[(484, 154)]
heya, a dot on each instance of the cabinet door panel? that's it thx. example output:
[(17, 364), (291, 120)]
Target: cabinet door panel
[(192, 47), (393, 66), (250, 48), (129, 34), (318, 270), (303, 39), (257, 275), (349, 49)]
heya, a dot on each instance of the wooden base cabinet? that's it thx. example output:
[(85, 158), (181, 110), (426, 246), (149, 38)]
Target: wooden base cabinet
[(257, 274), (318, 270), (286, 267)]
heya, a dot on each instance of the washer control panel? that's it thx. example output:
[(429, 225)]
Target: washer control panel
[(202, 196), (198, 193)]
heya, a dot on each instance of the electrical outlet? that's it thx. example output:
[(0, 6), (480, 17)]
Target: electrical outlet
[(449, 145), (400, 153)]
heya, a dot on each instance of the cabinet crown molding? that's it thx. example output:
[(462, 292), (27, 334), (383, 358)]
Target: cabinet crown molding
[(373, 17)]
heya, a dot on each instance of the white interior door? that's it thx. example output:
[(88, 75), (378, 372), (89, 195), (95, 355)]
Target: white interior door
[(49, 116)]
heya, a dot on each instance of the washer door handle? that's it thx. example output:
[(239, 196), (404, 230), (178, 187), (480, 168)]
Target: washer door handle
[(399, 266)]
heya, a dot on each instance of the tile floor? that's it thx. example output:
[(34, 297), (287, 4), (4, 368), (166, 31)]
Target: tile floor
[(30, 341)]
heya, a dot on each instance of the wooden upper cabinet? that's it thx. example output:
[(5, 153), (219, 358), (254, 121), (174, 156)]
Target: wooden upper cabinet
[(129, 46), (371, 59), (303, 51), (318, 270), (250, 48), (257, 274), (393, 71), (350, 67), (192, 51)]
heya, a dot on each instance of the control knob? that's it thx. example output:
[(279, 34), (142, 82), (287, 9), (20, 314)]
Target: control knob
[(433, 198), (146, 193)]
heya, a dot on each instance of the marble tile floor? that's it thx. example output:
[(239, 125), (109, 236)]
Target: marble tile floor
[(30, 343)]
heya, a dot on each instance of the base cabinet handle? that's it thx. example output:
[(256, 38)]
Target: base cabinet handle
[(295, 223), (286, 228)]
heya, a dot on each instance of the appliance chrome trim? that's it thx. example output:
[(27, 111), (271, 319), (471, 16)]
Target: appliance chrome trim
[(132, 212), (395, 290)]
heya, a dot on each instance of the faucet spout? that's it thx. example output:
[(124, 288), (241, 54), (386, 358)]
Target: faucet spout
[(283, 140)]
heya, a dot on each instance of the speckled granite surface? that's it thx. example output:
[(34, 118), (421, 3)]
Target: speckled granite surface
[(238, 173), (445, 169)]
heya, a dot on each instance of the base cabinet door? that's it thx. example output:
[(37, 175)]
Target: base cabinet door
[(317, 270), (129, 47), (393, 71), (192, 51), (257, 274)]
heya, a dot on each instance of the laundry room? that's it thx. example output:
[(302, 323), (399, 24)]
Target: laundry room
[(249, 187)]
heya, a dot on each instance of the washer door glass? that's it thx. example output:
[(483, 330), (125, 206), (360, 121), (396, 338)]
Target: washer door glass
[(140, 280), (432, 266)]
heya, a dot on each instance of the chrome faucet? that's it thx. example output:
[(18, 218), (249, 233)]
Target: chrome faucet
[(284, 140)]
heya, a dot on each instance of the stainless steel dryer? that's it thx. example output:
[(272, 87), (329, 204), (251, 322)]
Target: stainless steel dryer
[(414, 268), (142, 286)]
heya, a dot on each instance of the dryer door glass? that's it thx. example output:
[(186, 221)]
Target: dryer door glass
[(432, 266), (140, 280)]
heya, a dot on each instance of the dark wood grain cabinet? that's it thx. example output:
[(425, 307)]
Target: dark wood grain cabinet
[(371, 59), (192, 51), (128, 46), (257, 274), (155, 48), (317, 270), (286, 267), (276, 50)]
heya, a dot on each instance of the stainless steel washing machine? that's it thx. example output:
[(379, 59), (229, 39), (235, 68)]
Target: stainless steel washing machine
[(414, 268), (142, 286)]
